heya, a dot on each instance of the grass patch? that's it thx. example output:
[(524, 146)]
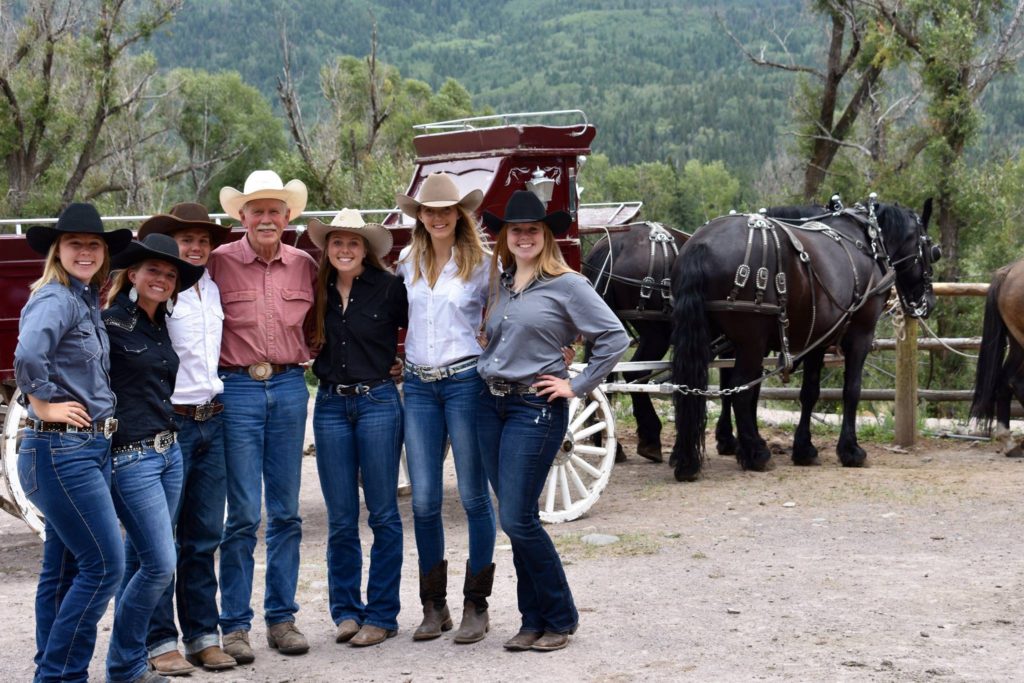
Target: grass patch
[(629, 545)]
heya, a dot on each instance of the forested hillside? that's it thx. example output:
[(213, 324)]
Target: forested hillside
[(661, 78)]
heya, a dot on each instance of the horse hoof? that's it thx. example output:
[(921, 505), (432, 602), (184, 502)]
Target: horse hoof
[(687, 476), (727, 447), (856, 459), (651, 451), (620, 455), (805, 457), (1015, 452)]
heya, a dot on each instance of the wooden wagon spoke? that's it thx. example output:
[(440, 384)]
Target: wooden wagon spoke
[(592, 429), (599, 451), (563, 486), (584, 465), (585, 414), (581, 488), (549, 502)]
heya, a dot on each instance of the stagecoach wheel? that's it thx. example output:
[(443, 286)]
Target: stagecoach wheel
[(14, 422), (581, 469)]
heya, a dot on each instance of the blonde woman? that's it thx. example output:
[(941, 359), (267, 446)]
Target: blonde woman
[(446, 272), (61, 365), (538, 305)]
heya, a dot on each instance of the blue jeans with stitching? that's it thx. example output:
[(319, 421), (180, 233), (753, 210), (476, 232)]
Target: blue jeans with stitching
[(361, 434), (199, 525), (67, 476), (519, 438), (146, 486), (264, 428), (435, 412)]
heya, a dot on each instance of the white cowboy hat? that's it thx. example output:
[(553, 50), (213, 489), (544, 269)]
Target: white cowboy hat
[(264, 185), (438, 190), (350, 220)]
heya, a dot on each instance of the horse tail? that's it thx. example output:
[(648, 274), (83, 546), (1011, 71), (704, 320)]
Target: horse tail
[(989, 379), (691, 344)]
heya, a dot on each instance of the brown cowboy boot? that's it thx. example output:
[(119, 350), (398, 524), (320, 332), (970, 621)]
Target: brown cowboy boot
[(475, 622), (433, 595)]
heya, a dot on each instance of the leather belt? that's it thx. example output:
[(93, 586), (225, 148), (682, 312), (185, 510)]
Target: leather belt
[(353, 389), (106, 427), (201, 412), (159, 443), (261, 371), (499, 388), (426, 373)]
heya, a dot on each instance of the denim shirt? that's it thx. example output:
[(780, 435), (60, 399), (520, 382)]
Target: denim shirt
[(527, 330), (63, 350), (144, 367)]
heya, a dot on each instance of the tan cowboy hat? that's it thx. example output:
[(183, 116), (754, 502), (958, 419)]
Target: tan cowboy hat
[(350, 220), (264, 185), (182, 217), (438, 190)]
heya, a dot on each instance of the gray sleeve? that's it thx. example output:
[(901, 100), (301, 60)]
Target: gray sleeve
[(598, 325), (45, 320)]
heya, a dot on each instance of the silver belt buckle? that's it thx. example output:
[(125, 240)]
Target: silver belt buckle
[(203, 412), (499, 388), (163, 441), (261, 371), (109, 427)]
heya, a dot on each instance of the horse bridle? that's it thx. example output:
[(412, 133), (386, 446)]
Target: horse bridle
[(925, 255)]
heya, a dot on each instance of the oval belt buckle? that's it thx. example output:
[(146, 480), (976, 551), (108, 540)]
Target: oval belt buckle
[(261, 372)]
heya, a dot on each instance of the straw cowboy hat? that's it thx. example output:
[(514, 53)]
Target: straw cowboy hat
[(525, 207), (161, 248), (437, 191), (264, 185), (78, 217), (182, 217), (378, 237)]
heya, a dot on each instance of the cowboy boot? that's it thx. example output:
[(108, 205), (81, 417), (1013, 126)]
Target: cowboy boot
[(433, 595), (475, 621)]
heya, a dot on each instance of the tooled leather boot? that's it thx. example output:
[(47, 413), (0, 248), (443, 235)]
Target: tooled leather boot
[(475, 621), (433, 595)]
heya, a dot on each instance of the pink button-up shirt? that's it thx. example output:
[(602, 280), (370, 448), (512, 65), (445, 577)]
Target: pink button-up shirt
[(265, 304)]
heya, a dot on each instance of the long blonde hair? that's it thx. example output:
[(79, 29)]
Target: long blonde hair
[(469, 249), (550, 262), (121, 283), (53, 271), (323, 276)]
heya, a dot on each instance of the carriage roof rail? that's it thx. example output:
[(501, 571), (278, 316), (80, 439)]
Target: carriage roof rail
[(518, 118), (21, 224)]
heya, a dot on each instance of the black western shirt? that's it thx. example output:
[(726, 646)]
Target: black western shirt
[(143, 366), (361, 341)]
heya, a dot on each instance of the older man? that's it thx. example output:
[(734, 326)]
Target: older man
[(266, 290)]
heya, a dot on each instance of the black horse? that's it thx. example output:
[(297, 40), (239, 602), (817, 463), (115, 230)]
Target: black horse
[(751, 284), (630, 268)]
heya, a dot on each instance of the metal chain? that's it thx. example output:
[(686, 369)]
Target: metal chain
[(712, 393)]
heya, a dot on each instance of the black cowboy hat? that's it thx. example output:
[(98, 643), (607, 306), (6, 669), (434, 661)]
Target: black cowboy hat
[(525, 207), (78, 217), (182, 217), (162, 248)]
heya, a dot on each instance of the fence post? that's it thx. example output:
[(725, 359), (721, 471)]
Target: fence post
[(906, 386)]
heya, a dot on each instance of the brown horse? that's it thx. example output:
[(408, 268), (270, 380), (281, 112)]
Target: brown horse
[(762, 284), (1001, 360)]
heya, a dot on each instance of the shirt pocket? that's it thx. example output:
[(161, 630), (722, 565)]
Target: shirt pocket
[(84, 335), (239, 307), (297, 303)]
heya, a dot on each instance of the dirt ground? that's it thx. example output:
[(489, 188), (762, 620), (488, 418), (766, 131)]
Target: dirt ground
[(908, 570)]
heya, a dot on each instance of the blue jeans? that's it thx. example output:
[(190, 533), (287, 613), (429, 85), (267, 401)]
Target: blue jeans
[(264, 427), (67, 476), (199, 522), (146, 487), (435, 412), (519, 437), (361, 434)]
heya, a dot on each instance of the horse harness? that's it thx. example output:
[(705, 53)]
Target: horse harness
[(769, 230), (658, 237)]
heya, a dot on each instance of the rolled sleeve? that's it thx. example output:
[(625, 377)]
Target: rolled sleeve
[(45, 320), (598, 325)]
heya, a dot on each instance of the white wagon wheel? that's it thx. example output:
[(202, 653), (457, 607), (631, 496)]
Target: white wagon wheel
[(581, 469), (17, 504)]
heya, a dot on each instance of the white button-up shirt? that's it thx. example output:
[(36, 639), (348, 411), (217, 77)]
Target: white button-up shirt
[(444, 320), (196, 327)]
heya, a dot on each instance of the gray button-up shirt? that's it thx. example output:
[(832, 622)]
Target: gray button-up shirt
[(526, 332), (63, 353)]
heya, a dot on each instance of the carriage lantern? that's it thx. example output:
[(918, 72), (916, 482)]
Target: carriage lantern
[(541, 185)]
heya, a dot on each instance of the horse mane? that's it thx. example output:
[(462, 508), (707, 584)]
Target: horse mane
[(790, 213)]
